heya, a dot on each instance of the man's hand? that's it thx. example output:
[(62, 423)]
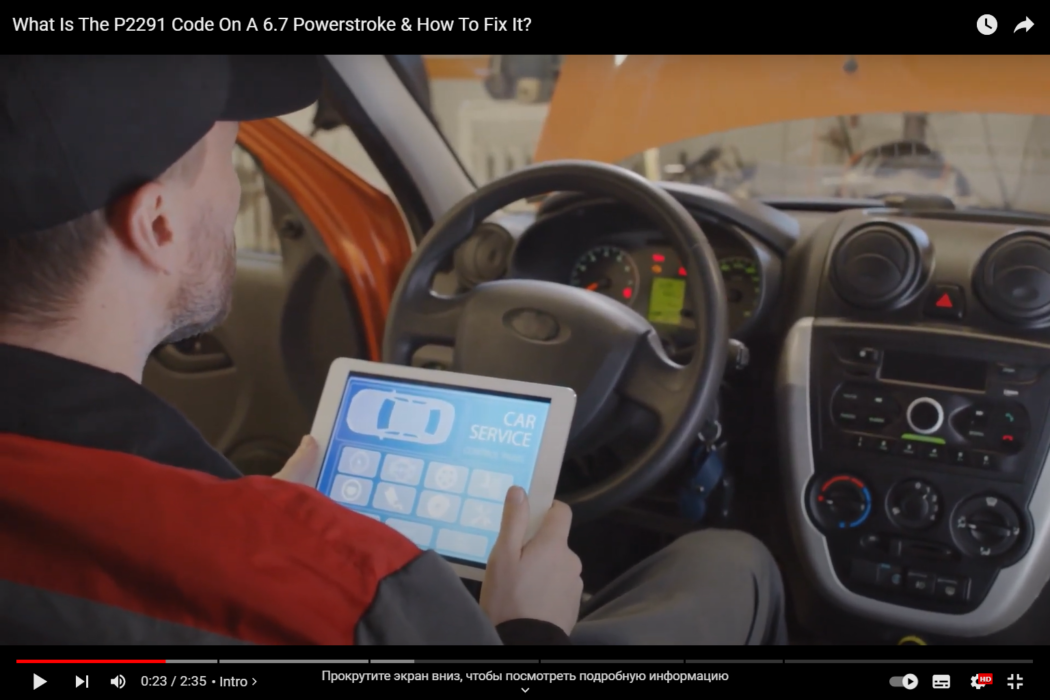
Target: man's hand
[(537, 580), (301, 464)]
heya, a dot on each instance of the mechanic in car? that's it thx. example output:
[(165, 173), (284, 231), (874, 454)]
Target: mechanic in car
[(119, 524)]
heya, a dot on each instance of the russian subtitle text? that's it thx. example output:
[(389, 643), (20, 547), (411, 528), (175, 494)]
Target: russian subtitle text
[(539, 677), (271, 24)]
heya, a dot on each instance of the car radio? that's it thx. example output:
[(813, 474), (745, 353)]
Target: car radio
[(927, 447)]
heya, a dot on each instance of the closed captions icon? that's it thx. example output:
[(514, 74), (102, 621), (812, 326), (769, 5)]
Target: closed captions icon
[(942, 682)]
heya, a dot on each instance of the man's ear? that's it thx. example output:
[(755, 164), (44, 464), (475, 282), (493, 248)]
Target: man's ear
[(143, 222)]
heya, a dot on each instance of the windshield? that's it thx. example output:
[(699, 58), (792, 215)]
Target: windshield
[(494, 110), (976, 160)]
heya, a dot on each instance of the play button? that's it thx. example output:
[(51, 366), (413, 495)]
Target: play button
[(37, 681), (910, 682)]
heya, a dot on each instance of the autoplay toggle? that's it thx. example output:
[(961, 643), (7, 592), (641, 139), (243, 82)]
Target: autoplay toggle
[(908, 682)]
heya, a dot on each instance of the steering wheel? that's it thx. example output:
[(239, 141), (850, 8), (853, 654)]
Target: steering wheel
[(550, 333)]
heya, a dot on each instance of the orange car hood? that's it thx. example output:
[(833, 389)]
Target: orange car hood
[(608, 112)]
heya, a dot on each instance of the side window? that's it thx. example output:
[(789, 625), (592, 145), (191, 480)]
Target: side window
[(339, 142), (492, 109), (255, 229), (493, 137)]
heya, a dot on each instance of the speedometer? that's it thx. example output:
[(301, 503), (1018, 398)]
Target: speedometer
[(743, 282), (607, 270)]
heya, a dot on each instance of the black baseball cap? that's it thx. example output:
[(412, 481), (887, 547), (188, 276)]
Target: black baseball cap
[(78, 132)]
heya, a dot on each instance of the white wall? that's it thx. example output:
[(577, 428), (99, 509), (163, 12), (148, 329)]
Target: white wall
[(491, 137)]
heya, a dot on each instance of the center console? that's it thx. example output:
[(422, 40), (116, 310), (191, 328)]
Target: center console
[(916, 455), (925, 460), (914, 398)]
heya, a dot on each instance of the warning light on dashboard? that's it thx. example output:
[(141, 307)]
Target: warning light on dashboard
[(657, 269), (627, 293), (1008, 438), (681, 271), (658, 258), (945, 302)]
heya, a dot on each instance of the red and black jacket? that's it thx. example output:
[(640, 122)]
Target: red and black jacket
[(119, 524)]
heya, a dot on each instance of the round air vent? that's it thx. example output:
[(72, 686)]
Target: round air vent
[(876, 265), (1013, 278)]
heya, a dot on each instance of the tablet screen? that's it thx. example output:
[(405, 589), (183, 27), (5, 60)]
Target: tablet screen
[(430, 461)]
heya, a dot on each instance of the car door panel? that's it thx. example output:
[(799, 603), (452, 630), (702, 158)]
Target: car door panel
[(252, 385), (360, 227)]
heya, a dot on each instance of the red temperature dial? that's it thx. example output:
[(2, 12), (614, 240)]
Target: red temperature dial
[(842, 502)]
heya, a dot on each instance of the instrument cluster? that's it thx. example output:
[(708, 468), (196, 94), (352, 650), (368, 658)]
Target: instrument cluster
[(638, 269), (652, 280), (608, 251)]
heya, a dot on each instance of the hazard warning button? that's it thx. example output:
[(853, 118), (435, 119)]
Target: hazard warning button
[(946, 301)]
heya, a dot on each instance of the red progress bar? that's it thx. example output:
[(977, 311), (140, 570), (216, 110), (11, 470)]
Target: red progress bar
[(90, 661)]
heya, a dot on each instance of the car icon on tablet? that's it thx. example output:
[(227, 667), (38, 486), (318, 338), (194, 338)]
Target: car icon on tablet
[(392, 416)]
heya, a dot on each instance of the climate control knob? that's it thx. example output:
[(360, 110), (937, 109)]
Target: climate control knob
[(986, 526), (925, 416), (913, 505), (840, 503)]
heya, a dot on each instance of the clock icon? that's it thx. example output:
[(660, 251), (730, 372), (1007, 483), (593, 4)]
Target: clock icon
[(987, 25)]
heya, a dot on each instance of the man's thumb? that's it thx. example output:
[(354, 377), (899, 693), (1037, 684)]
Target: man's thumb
[(515, 523), (300, 464)]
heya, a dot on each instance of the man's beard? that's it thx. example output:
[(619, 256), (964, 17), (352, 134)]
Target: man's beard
[(205, 296)]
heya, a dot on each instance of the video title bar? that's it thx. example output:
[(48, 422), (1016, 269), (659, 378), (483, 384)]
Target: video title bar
[(641, 31), (34, 24)]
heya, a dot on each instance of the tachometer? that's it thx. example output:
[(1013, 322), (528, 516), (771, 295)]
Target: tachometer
[(743, 282), (607, 270)]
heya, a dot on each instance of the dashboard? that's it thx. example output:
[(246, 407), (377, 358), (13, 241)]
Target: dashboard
[(608, 250), (912, 391), (913, 405)]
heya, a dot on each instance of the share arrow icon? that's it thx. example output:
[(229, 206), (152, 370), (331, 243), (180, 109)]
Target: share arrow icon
[(1026, 25)]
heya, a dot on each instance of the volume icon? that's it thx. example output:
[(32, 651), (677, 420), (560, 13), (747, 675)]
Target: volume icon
[(118, 681)]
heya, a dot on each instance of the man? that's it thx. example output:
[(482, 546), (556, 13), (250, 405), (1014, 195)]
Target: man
[(120, 524)]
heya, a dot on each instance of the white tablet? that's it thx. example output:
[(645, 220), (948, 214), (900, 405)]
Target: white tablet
[(432, 454)]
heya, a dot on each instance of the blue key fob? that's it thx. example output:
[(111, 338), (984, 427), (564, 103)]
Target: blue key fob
[(706, 477)]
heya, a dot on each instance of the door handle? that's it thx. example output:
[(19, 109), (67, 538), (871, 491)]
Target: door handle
[(193, 356)]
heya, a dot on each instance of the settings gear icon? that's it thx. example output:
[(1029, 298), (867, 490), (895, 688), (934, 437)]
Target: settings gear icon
[(974, 682)]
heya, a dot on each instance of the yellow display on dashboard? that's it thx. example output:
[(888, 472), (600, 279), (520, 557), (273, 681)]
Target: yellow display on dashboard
[(666, 300)]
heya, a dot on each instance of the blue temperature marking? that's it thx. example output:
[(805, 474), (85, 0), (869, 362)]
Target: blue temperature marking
[(867, 508)]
